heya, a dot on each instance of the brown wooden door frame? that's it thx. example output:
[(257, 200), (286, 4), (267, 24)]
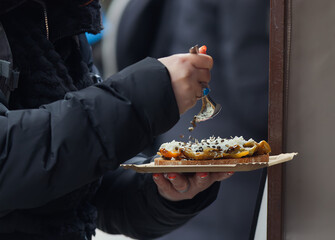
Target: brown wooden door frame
[(278, 69)]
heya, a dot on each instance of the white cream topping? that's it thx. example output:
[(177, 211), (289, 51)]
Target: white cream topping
[(173, 146), (218, 143)]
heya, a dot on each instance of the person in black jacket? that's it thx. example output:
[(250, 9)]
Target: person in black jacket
[(64, 132), (236, 35)]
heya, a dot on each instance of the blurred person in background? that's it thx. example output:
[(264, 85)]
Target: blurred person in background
[(236, 34), (64, 132)]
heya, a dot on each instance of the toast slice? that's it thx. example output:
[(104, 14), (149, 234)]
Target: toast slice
[(264, 158)]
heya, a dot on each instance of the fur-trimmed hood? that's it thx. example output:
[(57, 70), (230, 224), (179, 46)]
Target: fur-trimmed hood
[(7, 5), (66, 17)]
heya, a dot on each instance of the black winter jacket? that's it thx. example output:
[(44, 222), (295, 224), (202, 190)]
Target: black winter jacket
[(59, 162)]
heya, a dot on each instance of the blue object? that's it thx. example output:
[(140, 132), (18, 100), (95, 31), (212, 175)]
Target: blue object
[(205, 91), (94, 38)]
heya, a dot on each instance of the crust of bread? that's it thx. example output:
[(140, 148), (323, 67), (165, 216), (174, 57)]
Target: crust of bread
[(253, 159)]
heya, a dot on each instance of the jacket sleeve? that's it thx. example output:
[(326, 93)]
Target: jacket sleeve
[(129, 203), (48, 152)]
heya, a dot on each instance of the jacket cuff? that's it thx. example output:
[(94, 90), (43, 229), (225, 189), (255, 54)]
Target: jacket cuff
[(147, 85)]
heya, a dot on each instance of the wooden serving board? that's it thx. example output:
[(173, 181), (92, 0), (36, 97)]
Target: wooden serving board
[(240, 167)]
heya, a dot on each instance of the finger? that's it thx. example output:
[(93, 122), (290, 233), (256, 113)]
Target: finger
[(202, 175), (198, 91), (178, 181), (203, 76), (163, 184), (201, 61), (220, 176), (203, 180)]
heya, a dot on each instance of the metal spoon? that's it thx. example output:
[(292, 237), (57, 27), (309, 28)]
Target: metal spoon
[(209, 108)]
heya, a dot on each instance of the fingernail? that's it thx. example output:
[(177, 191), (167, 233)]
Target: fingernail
[(203, 175), (172, 176), (230, 173), (155, 175)]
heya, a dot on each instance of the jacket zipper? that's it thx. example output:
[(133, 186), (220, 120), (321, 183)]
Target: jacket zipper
[(46, 21)]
